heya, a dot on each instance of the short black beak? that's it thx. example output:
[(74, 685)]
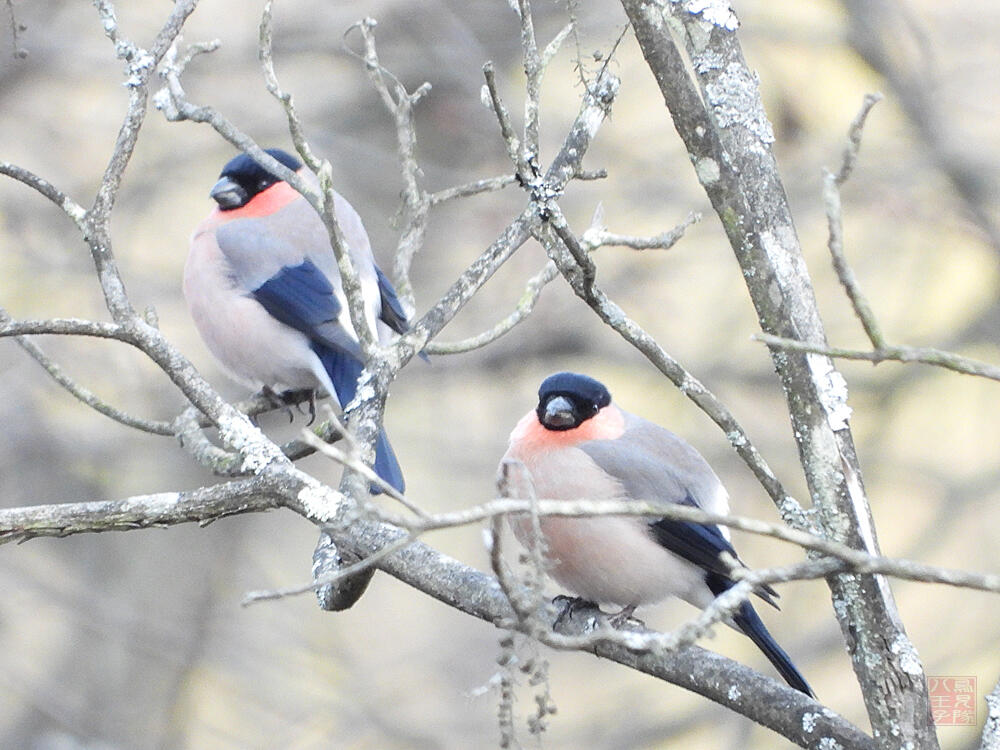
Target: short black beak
[(228, 194), (558, 414)]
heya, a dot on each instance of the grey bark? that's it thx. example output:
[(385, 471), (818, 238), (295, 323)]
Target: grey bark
[(720, 117)]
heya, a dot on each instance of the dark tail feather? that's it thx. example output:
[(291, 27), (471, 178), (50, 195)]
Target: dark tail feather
[(748, 621), (344, 371), (386, 465)]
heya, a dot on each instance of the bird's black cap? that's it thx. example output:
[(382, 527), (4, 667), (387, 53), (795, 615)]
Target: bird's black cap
[(242, 178), (244, 166)]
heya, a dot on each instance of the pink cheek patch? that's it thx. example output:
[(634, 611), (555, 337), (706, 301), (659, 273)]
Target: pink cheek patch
[(608, 424), (265, 203)]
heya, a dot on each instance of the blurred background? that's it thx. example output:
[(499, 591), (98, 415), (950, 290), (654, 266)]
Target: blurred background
[(138, 640)]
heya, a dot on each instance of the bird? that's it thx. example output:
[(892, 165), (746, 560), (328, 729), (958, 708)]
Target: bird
[(577, 444), (263, 288)]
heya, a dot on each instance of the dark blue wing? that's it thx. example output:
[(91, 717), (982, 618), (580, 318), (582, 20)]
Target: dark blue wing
[(703, 545), (302, 297), (299, 296), (697, 543)]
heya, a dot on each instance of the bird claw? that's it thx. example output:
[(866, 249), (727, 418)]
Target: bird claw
[(624, 618), (285, 400), (570, 605), (277, 401), (311, 401)]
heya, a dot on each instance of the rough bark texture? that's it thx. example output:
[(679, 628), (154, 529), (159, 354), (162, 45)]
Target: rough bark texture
[(764, 700), (728, 137)]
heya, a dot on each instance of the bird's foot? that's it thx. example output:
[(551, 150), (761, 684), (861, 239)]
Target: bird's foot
[(285, 400), (311, 401), (624, 618), (278, 400), (569, 606)]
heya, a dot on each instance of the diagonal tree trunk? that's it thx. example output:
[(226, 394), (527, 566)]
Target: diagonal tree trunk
[(720, 117)]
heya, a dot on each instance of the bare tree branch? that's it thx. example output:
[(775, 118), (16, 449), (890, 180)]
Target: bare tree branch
[(270, 491), (881, 350), (728, 136), (139, 66), (594, 238), (141, 512), (924, 355), (416, 201), (594, 107), (991, 728), (61, 326), (733, 685), (71, 208), (256, 451), (871, 24), (721, 120), (89, 398)]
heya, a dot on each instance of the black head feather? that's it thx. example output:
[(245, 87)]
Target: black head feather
[(567, 399), (242, 178)]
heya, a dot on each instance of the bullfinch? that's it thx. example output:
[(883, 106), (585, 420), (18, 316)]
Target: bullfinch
[(263, 287), (578, 445)]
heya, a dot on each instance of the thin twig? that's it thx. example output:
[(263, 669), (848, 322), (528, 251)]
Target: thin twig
[(18, 524), (525, 306), (591, 240), (61, 327), (510, 139), (485, 185), (601, 237), (853, 146), (831, 200), (416, 202), (266, 57), (349, 459), (139, 67), (89, 398), (367, 563), (71, 208), (533, 71), (927, 356)]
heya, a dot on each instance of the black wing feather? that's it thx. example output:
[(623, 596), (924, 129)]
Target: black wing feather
[(703, 545)]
